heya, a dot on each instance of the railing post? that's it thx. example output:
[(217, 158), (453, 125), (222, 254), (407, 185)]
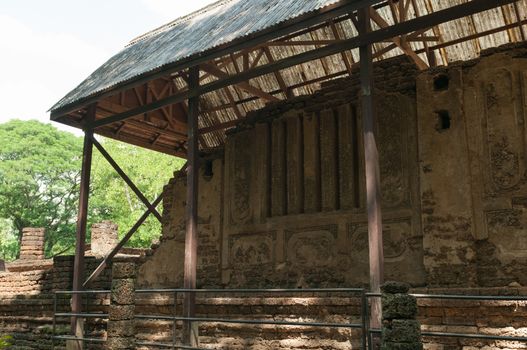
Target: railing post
[(364, 320), (121, 324), (400, 329), (54, 332)]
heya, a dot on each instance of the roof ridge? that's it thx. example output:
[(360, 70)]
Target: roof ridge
[(178, 20)]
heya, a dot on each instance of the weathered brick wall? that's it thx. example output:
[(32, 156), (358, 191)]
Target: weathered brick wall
[(26, 300), (504, 318), (452, 316)]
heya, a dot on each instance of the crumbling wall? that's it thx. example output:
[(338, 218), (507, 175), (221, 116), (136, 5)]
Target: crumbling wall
[(471, 120), (27, 292), (284, 204), (26, 299)]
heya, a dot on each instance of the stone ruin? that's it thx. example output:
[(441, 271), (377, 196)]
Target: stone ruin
[(32, 244), (275, 210), (104, 237)]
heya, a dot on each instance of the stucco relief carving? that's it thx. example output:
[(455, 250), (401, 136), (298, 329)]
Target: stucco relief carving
[(503, 134), (395, 237), (311, 247), (393, 113), (508, 231), (241, 178), (249, 250)]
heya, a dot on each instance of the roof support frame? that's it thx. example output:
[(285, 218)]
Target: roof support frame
[(190, 332), (82, 220), (402, 28), (373, 181)]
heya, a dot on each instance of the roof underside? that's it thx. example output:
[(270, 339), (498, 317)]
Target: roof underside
[(154, 67)]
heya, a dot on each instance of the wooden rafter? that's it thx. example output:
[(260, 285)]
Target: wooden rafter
[(337, 36), (518, 19), (214, 70), (435, 29), (399, 41), (278, 76)]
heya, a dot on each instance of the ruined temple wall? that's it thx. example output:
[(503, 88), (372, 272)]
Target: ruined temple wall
[(472, 174), (285, 203)]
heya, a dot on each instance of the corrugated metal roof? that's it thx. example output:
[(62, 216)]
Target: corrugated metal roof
[(225, 21), (215, 25)]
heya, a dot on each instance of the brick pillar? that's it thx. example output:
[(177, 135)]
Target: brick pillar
[(400, 329), (32, 245), (121, 326), (104, 237)]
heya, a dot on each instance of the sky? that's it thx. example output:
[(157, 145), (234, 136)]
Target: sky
[(47, 47)]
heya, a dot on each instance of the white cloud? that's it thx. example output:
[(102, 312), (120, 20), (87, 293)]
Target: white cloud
[(171, 9), (38, 68)]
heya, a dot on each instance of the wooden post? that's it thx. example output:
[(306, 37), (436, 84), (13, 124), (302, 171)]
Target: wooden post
[(191, 240), (82, 215), (373, 182)]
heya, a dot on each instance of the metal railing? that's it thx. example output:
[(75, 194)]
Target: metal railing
[(366, 332), (354, 292), (87, 293)]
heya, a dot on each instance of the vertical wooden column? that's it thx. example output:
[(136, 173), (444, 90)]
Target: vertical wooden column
[(82, 215), (373, 182), (191, 238)]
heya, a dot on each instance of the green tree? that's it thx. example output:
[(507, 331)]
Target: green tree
[(39, 186), (39, 176), (8, 240)]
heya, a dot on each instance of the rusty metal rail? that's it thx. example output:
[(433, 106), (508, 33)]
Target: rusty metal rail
[(366, 331), (55, 337)]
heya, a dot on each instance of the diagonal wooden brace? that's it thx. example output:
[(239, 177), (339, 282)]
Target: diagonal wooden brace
[(123, 241), (126, 179)]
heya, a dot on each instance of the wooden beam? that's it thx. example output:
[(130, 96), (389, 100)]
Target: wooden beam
[(278, 76), (345, 59), (518, 19), (301, 43), (244, 85), (142, 142), (217, 127), (108, 258), (474, 36), (126, 179), (415, 24), (176, 127), (82, 219), (190, 335), (373, 182), (435, 29), (399, 41), (234, 106)]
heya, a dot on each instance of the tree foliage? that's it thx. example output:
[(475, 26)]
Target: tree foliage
[(39, 176), (39, 185)]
